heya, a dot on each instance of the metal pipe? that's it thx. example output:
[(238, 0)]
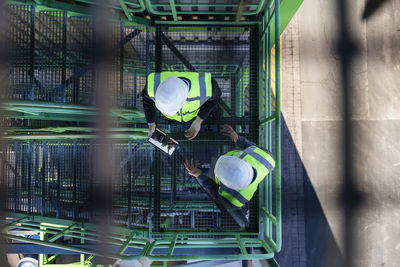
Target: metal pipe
[(173, 9), (278, 127), (125, 9), (268, 119)]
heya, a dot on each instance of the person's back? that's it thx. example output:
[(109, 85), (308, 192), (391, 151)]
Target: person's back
[(237, 173), (182, 97)]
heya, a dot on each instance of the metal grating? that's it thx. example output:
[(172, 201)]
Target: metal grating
[(51, 56), (21, 36), (80, 43)]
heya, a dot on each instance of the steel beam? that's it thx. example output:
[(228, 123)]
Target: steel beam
[(130, 163), (253, 81), (65, 112), (126, 39), (176, 52), (157, 191), (32, 53), (158, 48)]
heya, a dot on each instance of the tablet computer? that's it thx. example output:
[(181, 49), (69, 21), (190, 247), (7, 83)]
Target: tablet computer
[(163, 142)]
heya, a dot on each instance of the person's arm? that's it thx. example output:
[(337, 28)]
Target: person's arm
[(244, 143), (212, 102), (205, 181), (149, 111), (204, 111), (149, 106), (241, 141)]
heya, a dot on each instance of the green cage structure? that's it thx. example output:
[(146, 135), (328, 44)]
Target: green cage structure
[(158, 211)]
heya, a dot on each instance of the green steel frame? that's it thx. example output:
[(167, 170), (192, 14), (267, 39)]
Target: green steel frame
[(271, 221), (71, 133), (129, 7), (66, 112), (134, 244), (172, 6)]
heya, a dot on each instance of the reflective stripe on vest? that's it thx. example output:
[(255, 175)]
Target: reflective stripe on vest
[(261, 161), (157, 78), (203, 88), (233, 193)]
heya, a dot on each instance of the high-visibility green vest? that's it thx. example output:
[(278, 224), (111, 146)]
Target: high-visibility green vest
[(261, 161), (199, 92)]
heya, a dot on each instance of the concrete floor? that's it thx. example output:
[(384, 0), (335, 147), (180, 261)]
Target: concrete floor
[(313, 232)]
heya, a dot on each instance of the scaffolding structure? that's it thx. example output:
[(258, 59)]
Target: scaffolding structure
[(158, 210)]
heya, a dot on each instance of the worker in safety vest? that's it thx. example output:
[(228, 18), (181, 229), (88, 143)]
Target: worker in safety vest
[(180, 96), (237, 173)]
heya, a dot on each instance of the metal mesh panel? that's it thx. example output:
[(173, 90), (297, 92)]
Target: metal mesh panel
[(132, 63), (21, 46), (79, 84), (131, 185), (52, 58), (56, 180), (136, 60), (50, 179)]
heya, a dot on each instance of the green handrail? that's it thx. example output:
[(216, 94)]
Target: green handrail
[(266, 120), (125, 238)]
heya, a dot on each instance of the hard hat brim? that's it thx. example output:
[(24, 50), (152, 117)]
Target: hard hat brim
[(226, 170)]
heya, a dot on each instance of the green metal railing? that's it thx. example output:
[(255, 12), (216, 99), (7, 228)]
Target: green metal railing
[(52, 229), (268, 121), (132, 244)]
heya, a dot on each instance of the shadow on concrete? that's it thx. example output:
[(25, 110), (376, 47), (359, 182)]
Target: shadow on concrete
[(307, 237)]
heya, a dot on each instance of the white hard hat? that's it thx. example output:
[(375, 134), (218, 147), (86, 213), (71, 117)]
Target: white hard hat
[(234, 172), (171, 95)]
